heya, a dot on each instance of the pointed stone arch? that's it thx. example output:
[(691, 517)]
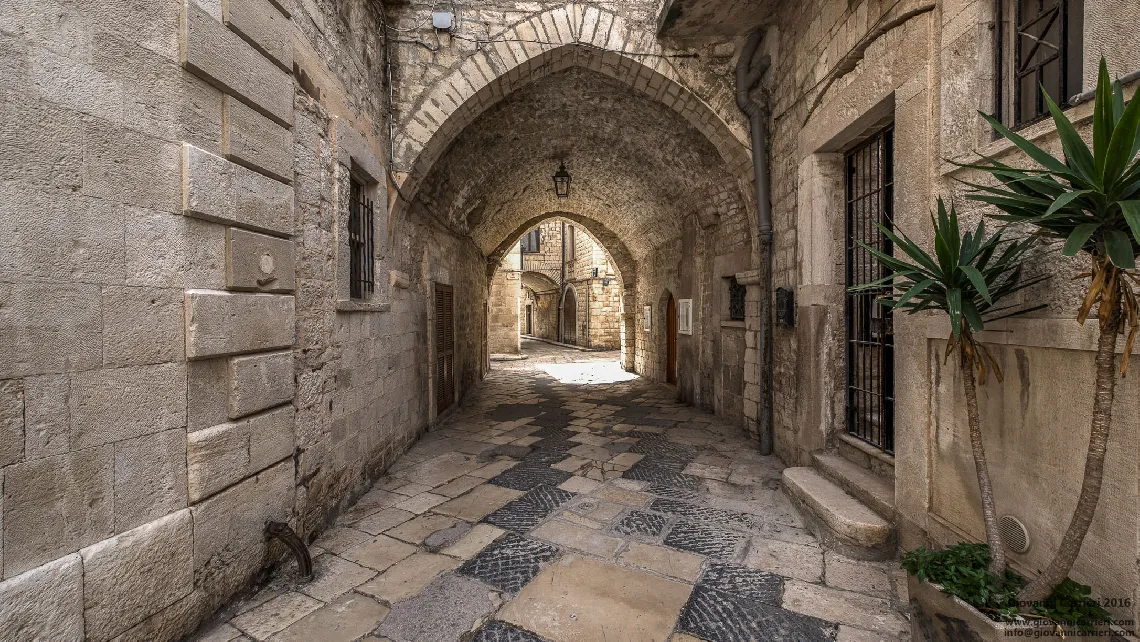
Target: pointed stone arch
[(616, 250), (572, 35)]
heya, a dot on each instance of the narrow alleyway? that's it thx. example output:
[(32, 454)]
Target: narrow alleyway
[(570, 501)]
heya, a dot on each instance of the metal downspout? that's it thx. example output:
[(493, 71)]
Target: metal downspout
[(749, 70)]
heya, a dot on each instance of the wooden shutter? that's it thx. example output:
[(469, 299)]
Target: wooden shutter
[(444, 347)]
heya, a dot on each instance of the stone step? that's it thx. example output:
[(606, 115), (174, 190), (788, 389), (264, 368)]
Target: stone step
[(843, 523), (878, 493)]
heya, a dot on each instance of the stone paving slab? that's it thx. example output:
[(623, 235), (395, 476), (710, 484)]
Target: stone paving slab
[(545, 511)]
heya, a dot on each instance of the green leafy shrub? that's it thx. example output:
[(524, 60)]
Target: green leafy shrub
[(961, 571)]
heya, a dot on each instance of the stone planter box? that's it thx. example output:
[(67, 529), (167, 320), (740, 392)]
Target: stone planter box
[(938, 617)]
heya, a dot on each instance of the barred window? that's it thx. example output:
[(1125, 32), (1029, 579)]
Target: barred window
[(1038, 45), (530, 242), (736, 293), (361, 243)]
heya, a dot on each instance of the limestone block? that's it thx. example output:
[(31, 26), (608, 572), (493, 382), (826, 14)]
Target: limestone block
[(42, 142), (45, 603), (258, 262), (256, 141), (216, 189), (121, 165), (260, 381), (39, 231), (136, 574), (167, 250), (11, 421), (271, 437), (219, 323), (150, 478), (49, 328), (47, 422), (222, 455), (207, 393), (55, 506), (222, 57), (216, 457), (179, 621), (142, 325), (122, 403), (264, 24), (229, 528)]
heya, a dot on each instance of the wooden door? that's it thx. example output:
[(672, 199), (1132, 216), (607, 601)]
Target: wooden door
[(570, 317), (444, 348), (529, 320), (671, 341)]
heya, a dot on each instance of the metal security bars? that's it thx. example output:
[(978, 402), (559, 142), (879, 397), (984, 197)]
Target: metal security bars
[(361, 243), (736, 294), (1038, 44), (870, 333)]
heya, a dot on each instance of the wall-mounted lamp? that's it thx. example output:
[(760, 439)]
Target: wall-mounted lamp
[(562, 181)]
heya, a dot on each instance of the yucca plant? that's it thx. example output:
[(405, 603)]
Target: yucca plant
[(970, 277), (1090, 201)]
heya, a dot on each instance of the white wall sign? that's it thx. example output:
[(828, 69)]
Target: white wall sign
[(648, 318), (685, 316)]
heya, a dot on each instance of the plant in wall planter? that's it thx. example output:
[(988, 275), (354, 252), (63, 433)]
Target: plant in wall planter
[(1089, 200), (966, 592), (970, 277)]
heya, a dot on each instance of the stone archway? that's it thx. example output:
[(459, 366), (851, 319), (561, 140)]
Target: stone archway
[(575, 35)]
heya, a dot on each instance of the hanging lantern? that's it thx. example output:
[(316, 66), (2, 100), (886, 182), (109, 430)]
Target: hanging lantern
[(562, 181)]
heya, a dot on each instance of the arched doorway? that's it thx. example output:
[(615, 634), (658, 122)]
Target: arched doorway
[(570, 317), (671, 340)]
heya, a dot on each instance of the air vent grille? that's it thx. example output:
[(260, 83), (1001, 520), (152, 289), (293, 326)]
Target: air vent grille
[(1013, 534)]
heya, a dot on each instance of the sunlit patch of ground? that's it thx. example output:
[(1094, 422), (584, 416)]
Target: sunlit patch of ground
[(587, 373)]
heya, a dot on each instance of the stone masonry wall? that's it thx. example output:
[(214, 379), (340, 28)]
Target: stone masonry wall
[(841, 71), (179, 359), (506, 292)]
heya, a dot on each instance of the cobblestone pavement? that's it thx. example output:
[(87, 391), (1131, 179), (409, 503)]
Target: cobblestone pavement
[(569, 501)]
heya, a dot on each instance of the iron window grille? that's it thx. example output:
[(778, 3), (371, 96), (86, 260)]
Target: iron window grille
[(736, 294), (361, 242), (1038, 44), (530, 242), (870, 331)]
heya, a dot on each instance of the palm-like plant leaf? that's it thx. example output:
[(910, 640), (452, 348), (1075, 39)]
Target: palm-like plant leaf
[(1084, 198), (967, 278)]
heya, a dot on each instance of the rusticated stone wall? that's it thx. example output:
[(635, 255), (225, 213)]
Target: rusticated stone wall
[(180, 360)]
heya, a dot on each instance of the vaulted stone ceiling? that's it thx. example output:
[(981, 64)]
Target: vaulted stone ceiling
[(638, 167)]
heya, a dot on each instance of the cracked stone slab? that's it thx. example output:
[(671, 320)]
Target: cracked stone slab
[(462, 599), (743, 582), (703, 540), (641, 523), (721, 617), (509, 562), (581, 599)]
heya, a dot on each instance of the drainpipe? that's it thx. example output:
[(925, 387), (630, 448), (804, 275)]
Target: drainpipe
[(749, 69)]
